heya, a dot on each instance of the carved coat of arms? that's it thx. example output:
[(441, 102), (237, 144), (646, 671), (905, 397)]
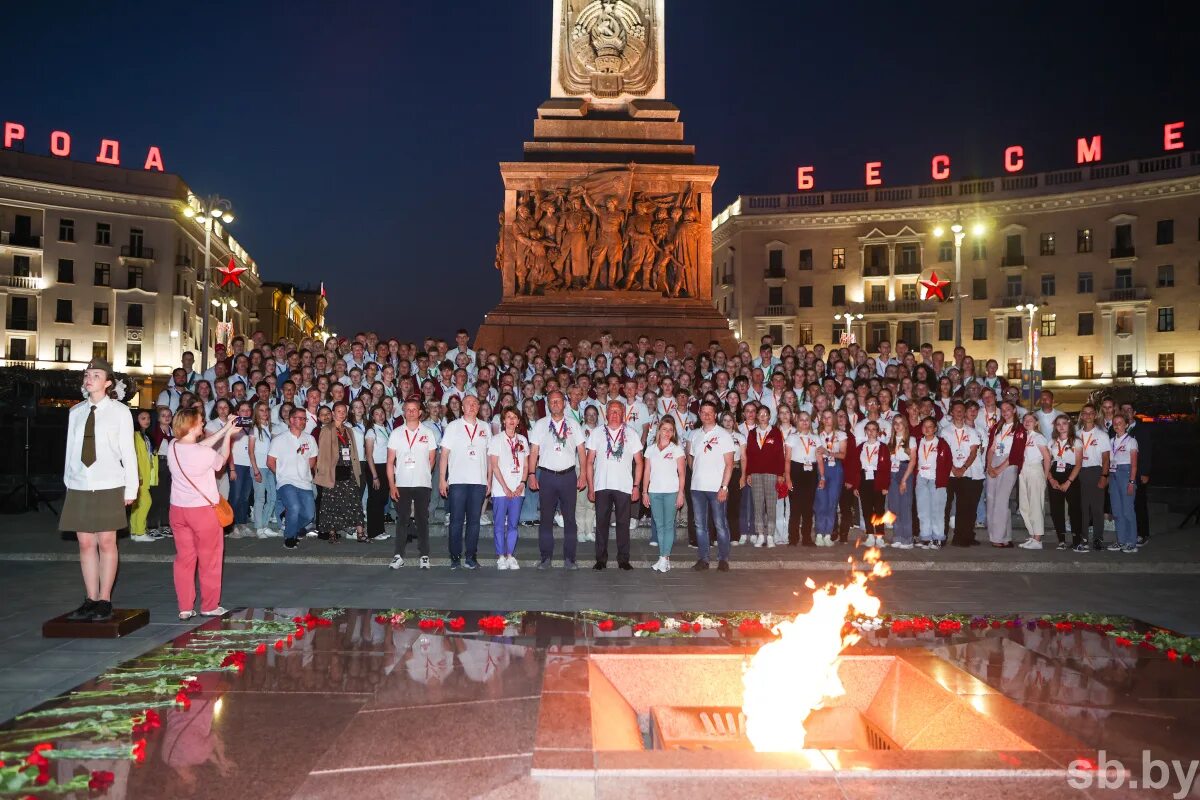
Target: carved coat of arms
[(610, 47)]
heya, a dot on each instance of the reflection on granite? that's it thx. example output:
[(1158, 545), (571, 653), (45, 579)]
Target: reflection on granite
[(363, 709)]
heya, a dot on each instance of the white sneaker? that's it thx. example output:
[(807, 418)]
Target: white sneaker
[(424, 562), (666, 567), (559, 521), (143, 537), (653, 543), (657, 566), (397, 562), (770, 541), (743, 539), (501, 562), (513, 563), (1031, 544), (903, 545), (828, 540)]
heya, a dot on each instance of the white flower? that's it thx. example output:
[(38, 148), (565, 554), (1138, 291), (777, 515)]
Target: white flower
[(119, 389), (671, 624)]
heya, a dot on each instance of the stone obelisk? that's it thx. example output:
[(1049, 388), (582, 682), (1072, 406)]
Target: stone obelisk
[(607, 222)]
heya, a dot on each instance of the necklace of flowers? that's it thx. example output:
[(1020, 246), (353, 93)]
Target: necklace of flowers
[(614, 453), (560, 432)]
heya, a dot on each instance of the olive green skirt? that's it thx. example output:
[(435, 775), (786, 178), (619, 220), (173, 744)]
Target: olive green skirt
[(100, 510)]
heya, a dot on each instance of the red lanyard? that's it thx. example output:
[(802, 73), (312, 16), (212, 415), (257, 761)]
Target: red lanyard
[(871, 454), (804, 440), (471, 432), (411, 439), (514, 446), (928, 450)]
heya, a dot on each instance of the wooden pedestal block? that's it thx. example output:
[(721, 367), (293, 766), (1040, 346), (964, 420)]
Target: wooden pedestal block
[(124, 622)]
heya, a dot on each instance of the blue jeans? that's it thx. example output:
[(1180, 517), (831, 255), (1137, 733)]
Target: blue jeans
[(505, 513), (746, 512), (703, 504), (1122, 504), (530, 506), (240, 492), (931, 510), (662, 512), (825, 507), (466, 504), (264, 498), (901, 505), (300, 507)]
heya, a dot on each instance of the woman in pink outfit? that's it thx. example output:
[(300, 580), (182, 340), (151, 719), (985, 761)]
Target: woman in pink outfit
[(199, 539)]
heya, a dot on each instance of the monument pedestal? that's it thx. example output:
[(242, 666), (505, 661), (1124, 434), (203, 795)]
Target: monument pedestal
[(124, 622), (586, 314)]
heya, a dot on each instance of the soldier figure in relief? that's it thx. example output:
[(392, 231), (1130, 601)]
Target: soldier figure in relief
[(641, 247), (610, 245), (572, 261)]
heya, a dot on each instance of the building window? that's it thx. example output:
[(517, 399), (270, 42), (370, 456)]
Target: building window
[(979, 329), (1085, 367), (839, 294), (135, 278), (1122, 241), (133, 355), (1124, 365), (979, 250), (1083, 240), (839, 330), (102, 274), (62, 311), (839, 258), (1048, 285), (805, 333), (776, 333), (878, 293), (1049, 324), (62, 349), (1014, 369), (21, 266), (1165, 232), (945, 251), (908, 291), (1123, 278), (775, 296), (806, 297), (1013, 286), (1166, 319), (1166, 363), (1166, 276), (100, 314), (910, 256), (806, 260), (1083, 284), (66, 230), (1049, 368), (100, 350), (1123, 322), (1046, 248), (945, 330), (66, 270), (104, 234), (1014, 250), (1086, 326), (134, 317), (908, 331), (775, 262), (979, 289), (1014, 327)]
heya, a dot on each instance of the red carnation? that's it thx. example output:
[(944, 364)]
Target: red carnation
[(381, 619), (298, 620), (100, 781), (605, 625), (1123, 642), (458, 623), (261, 649), (300, 633), (138, 751), (183, 701), (1172, 654), (997, 624), (1063, 627), (279, 644)]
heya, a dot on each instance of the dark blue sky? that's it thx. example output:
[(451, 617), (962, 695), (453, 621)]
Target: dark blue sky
[(359, 141)]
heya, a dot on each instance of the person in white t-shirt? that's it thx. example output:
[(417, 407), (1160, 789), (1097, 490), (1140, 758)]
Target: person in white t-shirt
[(1031, 483), (1046, 414), (556, 448), (378, 488), (292, 456), (464, 469), (1093, 478), (710, 453), (508, 455), (806, 475), (412, 449), (1122, 487), (966, 474), (614, 478), (240, 473), (258, 440), (662, 486)]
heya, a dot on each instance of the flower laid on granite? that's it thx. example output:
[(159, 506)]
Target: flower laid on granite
[(100, 781)]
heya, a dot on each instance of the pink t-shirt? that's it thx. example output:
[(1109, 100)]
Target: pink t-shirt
[(199, 463)]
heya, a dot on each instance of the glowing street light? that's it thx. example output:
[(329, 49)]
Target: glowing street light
[(978, 229), (849, 317), (1031, 309), (206, 212)]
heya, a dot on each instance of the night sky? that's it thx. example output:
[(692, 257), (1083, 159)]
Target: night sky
[(359, 141)]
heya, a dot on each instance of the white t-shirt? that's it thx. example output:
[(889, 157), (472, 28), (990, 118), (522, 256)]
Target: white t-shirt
[(557, 447), (1046, 421), (927, 458), (412, 450), (860, 431), (804, 447), (637, 416), (961, 440), (664, 472), (262, 442), (1062, 453), (378, 436), (868, 458), (833, 444), (468, 446), (739, 441), (708, 450), (1005, 436), (240, 447), (291, 454), (613, 471), (1123, 447), (1034, 441), (900, 457), (512, 458), (1095, 444)]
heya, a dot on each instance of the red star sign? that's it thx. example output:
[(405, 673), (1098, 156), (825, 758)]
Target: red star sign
[(231, 273), (934, 287)]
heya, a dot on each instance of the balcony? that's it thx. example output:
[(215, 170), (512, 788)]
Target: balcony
[(1013, 260), (182, 260), (891, 307), (15, 239), (26, 323), (875, 270), (776, 311), (21, 282), (140, 254), (1126, 295), (908, 269), (1122, 253), (1011, 301)]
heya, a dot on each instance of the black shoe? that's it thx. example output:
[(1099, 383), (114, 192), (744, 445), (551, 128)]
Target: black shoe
[(102, 611), (471, 564), (83, 613), (1142, 541), (544, 564), (722, 566), (936, 545), (624, 565), (700, 566), (599, 565), (455, 563), (1097, 544), (290, 544)]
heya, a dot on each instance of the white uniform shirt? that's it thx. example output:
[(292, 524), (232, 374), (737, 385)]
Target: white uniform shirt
[(468, 446), (961, 440), (1095, 444), (1034, 441), (860, 430), (637, 416), (664, 472), (1123, 447), (512, 458), (900, 457), (116, 462), (613, 471), (556, 448), (412, 450), (739, 441), (832, 444), (379, 435), (1062, 453), (927, 450), (708, 450), (1046, 421), (804, 448), (291, 454), (240, 447)]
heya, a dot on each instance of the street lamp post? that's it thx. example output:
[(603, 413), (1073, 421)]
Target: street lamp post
[(960, 233), (207, 212), (1030, 309), (224, 303), (849, 317)]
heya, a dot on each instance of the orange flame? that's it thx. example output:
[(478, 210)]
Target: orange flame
[(887, 519), (796, 674)]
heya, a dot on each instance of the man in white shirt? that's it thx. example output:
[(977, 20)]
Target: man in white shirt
[(412, 449), (966, 474), (169, 396), (1093, 478), (461, 339), (292, 457), (1046, 414), (614, 474), (463, 468), (101, 476), (556, 443), (637, 416), (710, 455)]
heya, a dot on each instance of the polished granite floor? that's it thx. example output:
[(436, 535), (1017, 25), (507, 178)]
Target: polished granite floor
[(367, 709)]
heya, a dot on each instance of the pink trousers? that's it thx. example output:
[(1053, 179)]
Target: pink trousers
[(199, 541)]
